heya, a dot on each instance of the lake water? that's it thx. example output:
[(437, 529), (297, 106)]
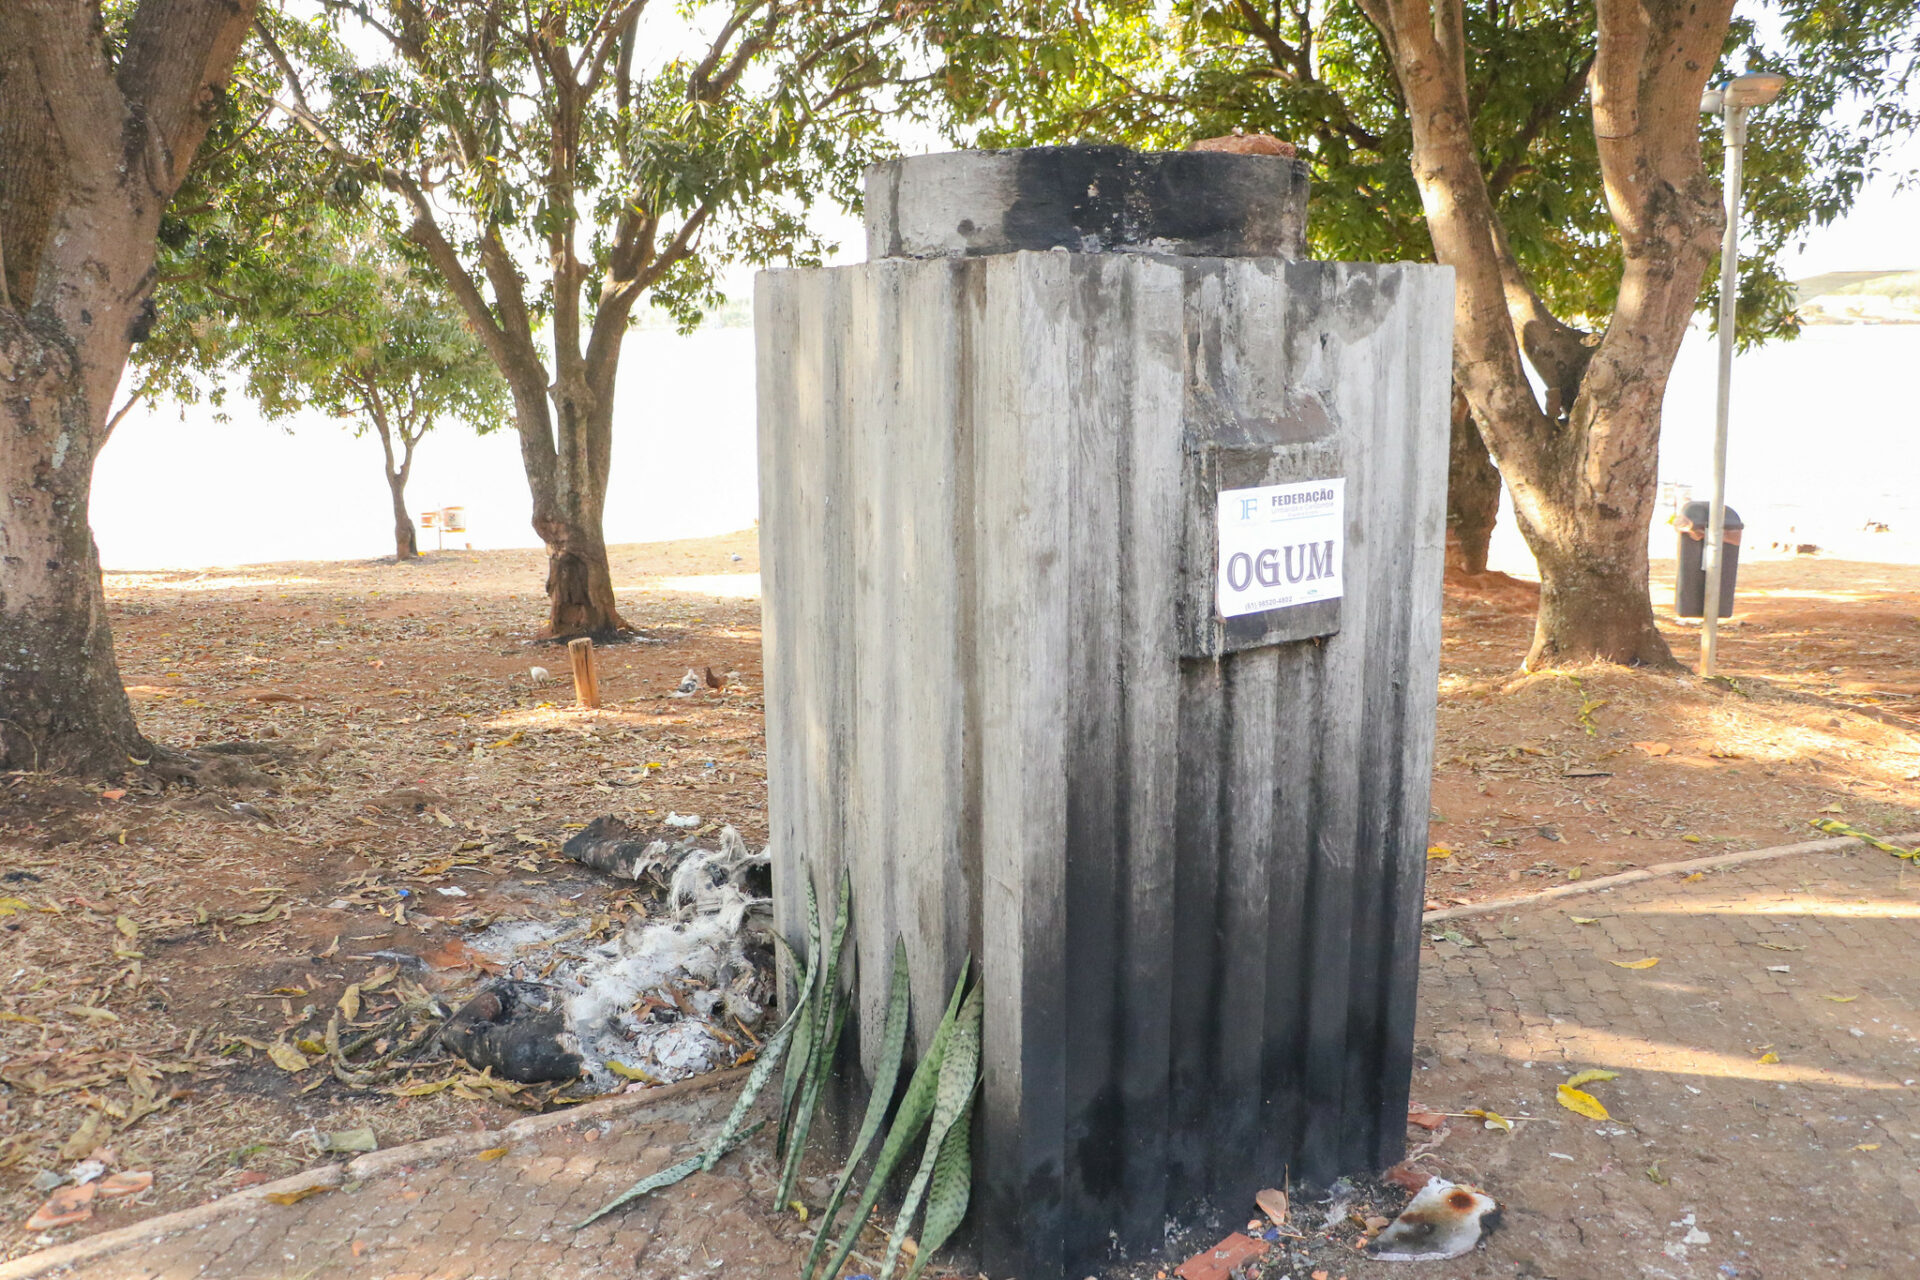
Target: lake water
[(1826, 436)]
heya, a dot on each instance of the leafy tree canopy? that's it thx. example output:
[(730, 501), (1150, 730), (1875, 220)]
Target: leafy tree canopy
[(1156, 74)]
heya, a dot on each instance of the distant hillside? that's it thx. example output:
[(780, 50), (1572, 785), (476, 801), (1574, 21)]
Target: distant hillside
[(1859, 297)]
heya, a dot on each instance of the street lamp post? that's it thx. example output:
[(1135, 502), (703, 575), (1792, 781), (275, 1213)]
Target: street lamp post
[(1730, 102)]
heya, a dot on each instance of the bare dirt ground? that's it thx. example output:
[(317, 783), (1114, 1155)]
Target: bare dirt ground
[(160, 946)]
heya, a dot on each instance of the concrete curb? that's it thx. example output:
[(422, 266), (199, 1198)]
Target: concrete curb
[(375, 1164), (1833, 844)]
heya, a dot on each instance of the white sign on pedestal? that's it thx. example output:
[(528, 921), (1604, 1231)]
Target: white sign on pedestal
[(1281, 545)]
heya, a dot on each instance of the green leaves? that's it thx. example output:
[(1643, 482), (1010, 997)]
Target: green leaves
[(886, 1076), (917, 1109)]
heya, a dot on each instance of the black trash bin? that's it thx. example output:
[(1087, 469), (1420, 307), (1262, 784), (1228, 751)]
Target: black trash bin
[(1690, 588)]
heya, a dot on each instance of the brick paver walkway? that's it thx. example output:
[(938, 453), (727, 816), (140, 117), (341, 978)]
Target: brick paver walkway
[(1717, 1165)]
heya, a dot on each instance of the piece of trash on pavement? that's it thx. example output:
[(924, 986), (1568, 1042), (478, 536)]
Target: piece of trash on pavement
[(1273, 1203), (1218, 1263), (131, 1183), (518, 1029), (63, 1208), (1406, 1177), (607, 844), (684, 821), (349, 1140), (1443, 1220), (1339, 1202)]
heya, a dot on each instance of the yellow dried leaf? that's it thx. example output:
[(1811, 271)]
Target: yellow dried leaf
[(19, 1017), (421, 1090), (1576, 873), (1842, 999), (288, 991), (1584, 919), (286, 1057), (1493, 1118), (798, 1208), (1437, 851), (12, 906), (1832, 808), (1590, 1075), (626, 1072), (127, 927), (1867, 1146), (310, 1045), (350, 1002), (1698, 875), (511, 740), (1691, 839), (1769, 1056), (296, 1196), (381, 977), (491, 1153), (1647, 963), (1582, 1103)]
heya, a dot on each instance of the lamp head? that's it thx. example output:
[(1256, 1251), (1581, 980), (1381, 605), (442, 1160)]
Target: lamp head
[(1754, 89)]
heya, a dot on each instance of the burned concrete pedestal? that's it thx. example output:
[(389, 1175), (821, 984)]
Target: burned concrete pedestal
[(1101, 541)]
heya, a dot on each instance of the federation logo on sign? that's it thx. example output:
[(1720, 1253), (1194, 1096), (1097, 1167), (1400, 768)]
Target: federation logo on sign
[(1281, 545)]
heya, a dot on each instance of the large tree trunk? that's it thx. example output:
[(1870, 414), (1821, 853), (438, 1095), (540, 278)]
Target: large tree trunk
[(62, 706), (1473, 493), (90, 153), (1581, 468)]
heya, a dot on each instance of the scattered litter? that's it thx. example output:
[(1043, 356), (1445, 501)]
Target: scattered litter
[(1338, 1202), (1443, 1220), (63, 1208), (131, 1183), (518, 1030), (86, 1171), (1220, 1262), (609, 845), (348, 1140), (1273, 1203), (663, 999), (450, 891), (684, 821), (1406, 1177)]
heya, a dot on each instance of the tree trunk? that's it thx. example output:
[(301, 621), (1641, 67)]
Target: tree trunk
[(579, 580), (62, 706), (1473, 493), (1582, 474), (90, 153), (404, 545)]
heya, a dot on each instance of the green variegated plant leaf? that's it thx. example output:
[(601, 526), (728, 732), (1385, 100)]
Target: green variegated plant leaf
[(916, 1110), (959, 1072), (886, 1076)]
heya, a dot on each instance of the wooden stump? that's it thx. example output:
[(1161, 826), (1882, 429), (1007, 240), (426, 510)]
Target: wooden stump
[(586, 678)]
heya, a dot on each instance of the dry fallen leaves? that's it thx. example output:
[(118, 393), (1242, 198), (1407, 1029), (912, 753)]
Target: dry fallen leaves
[(1493, 1119), (1581, 1102), (1647, 963), (1655, 748), (1590, 1075), (1273, 1203)]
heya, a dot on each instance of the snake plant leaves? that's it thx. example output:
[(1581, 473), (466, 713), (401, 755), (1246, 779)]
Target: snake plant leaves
[(886, 1075), (915, 1110), (814, 1055), (948, 1193), (959, 1073), (803, 1007)]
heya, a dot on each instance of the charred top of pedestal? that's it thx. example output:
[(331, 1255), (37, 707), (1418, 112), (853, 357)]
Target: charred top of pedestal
[(1088, 200)]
